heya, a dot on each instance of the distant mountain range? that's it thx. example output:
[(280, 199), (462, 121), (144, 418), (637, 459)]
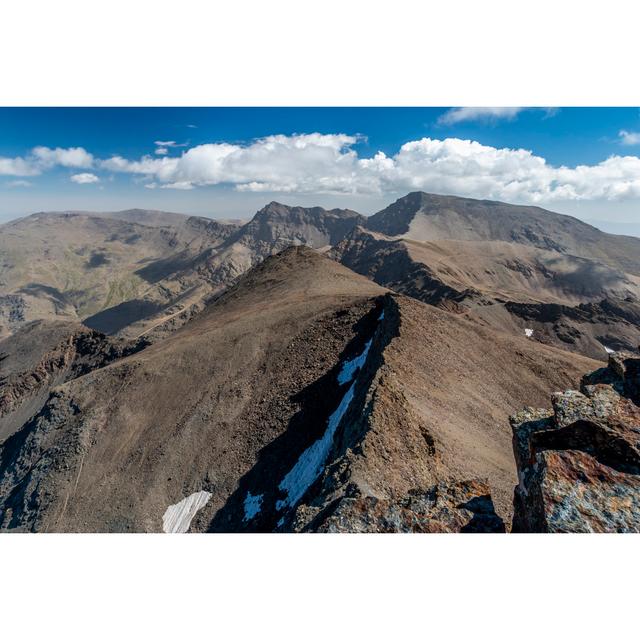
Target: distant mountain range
[(308, 370)]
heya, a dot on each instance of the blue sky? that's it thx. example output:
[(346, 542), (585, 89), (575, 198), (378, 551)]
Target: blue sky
[(227, 162)]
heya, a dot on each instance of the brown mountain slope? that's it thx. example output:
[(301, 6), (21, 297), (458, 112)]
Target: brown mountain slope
[(427, 217), (222, 413), (44, 354), (569, 301), (74, 266), (218, 265), (138, 272)]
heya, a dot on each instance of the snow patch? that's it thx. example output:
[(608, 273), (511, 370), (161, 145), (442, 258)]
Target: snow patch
[(177, 518), (311, 462), (528, 332), (313, 459), (351, 367), (608, 350), (252, 506)]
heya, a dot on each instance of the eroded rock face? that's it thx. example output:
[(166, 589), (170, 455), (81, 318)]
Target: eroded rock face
[(579, 465), (457, 507)]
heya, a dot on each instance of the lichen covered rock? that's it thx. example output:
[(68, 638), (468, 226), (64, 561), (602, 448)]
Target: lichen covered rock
[(579, 465)]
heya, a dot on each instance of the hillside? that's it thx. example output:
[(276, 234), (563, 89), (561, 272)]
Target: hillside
[(303, 385), (73, 266), (140, 272), (428, 217), (517, 269)]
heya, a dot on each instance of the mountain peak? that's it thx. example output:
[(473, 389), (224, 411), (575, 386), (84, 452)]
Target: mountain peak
[(427, 217)]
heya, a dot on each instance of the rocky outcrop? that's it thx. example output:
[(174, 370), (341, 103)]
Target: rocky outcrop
[(457, 507), (579, 464), (44, 354)]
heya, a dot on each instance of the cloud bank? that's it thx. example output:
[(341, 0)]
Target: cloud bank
[(329, 163), (318, 163)]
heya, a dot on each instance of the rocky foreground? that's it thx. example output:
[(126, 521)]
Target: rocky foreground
[(579, 464), (578, 469)]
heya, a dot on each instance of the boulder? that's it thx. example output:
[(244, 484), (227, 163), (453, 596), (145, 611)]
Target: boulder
[(579, 465)]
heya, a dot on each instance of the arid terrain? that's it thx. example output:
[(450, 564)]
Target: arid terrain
[(308, 370)]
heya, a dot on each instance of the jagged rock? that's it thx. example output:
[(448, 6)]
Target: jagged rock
[(579, 466), (464, 507)]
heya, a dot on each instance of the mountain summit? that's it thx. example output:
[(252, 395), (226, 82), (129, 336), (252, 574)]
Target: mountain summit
[(426, 217)]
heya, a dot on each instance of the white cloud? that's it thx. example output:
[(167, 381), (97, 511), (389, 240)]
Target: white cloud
[(162, 151), (468, 114), (170, 143), (19, 183), (183, 185), (84, 178), (17, 167), (304, 163), (629, 137), (74, 157), (43, 158), (327, 163)]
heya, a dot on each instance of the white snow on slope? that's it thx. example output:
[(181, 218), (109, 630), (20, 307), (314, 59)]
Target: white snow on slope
[(351, 367), (608, 350), (528, 332), (177, 518), (252, 506), (311, 462)]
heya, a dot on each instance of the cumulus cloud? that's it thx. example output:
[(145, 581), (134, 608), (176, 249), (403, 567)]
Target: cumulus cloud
[(73, 157), (629, 137), (17, 167), (84, 178), (302, 163), (328, 163), (43, 158), (162, 151)]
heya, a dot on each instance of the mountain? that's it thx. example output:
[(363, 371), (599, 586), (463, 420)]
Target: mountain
[(305, 398), (426, 217), (73, 266), (517, 269), (278, 226), (140, 272), (308, 370), (44, 354)]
